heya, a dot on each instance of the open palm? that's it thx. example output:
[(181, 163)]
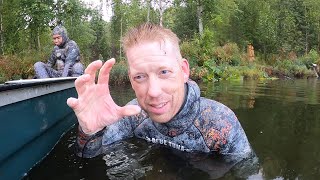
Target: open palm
[(94, 106)]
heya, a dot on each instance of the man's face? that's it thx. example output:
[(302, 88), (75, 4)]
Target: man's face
[(158, 79), (57, 39)]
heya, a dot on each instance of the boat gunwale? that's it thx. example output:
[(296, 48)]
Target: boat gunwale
[(21, 90), (16, 84)]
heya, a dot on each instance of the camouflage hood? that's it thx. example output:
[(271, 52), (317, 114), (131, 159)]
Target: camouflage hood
[(62, 32)]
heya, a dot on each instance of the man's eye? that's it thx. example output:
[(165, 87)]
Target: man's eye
[(164, 72), (139, 78)]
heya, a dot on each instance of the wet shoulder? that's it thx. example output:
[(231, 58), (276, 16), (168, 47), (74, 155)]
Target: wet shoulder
[(212, 111), (72, 44), (216, 122)]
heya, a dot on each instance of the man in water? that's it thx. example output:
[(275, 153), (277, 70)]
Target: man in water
[(64, 60), (168, 109)]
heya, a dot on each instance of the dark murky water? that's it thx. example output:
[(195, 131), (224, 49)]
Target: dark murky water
[(280, 117)]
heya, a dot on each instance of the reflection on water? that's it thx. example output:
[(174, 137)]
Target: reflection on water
[(242, 94), (280, 119)]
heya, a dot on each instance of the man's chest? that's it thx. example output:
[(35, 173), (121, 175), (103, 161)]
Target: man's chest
[(189, 140)]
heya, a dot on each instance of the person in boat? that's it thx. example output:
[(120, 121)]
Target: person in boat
[(64, 60), (168, 108)]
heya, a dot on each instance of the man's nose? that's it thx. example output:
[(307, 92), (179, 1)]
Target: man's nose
[(154, 87)]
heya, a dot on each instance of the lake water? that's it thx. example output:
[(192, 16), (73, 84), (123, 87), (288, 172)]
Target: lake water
[(280, 117)]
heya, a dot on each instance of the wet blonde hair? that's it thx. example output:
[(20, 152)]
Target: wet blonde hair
[(148, 32)]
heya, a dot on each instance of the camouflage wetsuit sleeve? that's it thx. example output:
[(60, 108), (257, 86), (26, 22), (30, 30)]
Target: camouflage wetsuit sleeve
[(88, 146), (53, 58), (221, 130), (91, 145), (72, 55)]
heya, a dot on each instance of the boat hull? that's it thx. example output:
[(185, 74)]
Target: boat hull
[(31, 127)]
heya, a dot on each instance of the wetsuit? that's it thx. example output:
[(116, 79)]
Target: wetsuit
[(201, 125), (64, 60)]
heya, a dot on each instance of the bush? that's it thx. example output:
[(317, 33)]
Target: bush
[(311, 58), (12, 67), (253, 72), (191, 51), (198, 73), (292, 68), (119, 73), (227, 54)]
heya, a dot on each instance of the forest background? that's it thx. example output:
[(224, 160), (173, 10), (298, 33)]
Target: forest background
[(216, 35)]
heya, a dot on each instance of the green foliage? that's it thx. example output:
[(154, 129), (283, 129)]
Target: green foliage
[(13, 35), (292, 68), (199, 49), (13, 67), (227, 72), (285, 34), (119, 73), (182, 20), (219, 16), (253, 72), (311, 58), (202, 49), (191, 51), (127, 15), (198, 73), (227, 54), (214, 73), (222, 72), (85, 38), (102, 45)]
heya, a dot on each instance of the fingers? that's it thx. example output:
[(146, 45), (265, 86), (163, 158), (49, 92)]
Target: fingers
[(105, 71), (130, 110), (72, 102), (81, 83), (92, 69), (88, 78)]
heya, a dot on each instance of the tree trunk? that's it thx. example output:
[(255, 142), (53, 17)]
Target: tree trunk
[(120, 57), (148, 6), (306, 49), (199, 16), (160, 12), (318, 37), (1, 31), (318, 42), (38, 40)]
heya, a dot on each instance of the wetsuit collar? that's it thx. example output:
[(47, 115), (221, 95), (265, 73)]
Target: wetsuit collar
[(187, 114)]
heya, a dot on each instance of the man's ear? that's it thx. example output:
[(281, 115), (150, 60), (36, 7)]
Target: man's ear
[(185, 69)]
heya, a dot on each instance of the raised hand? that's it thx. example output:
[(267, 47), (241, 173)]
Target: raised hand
[(95, 107)]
